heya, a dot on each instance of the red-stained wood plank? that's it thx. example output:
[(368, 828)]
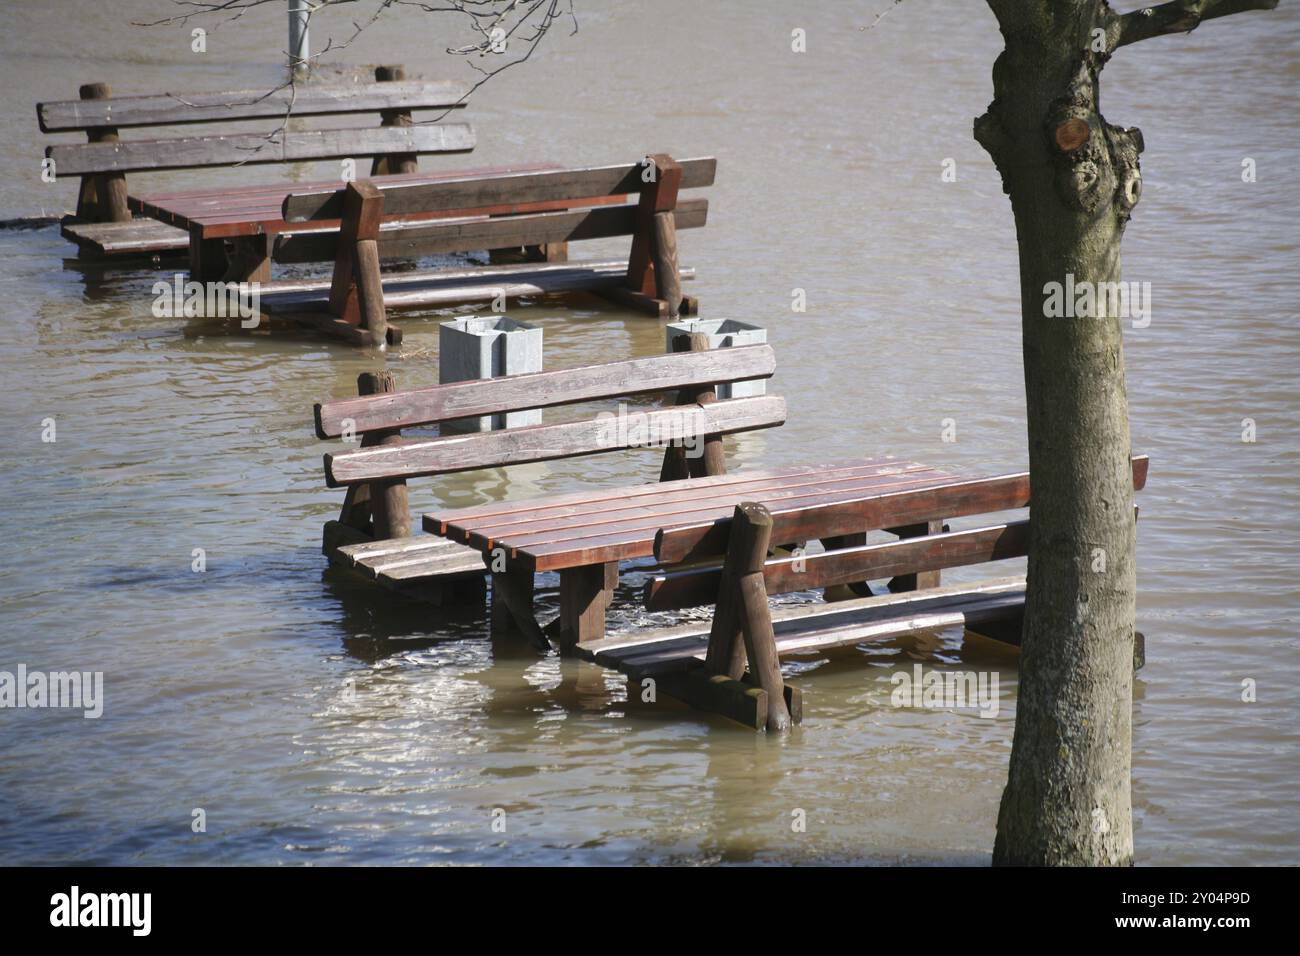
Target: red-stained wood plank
[(596, 498)]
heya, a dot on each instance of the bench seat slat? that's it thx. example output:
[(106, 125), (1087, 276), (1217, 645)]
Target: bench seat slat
[(470, 399), (172, 109), (252, 148), (403, 560), (418, 290), (135, 237), (515, 187), (547, 442), (811, 628)]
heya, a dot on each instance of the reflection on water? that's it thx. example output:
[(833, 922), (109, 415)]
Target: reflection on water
[(316, 720)]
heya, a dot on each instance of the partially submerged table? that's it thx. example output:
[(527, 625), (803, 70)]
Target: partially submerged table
[(585, 535), (250, 218)]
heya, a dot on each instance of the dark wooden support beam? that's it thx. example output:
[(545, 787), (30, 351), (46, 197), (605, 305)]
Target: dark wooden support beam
[(396, 163), (512, 602), (389, 507), (102, 196), (583, 600), (363, 209), (207, 257)]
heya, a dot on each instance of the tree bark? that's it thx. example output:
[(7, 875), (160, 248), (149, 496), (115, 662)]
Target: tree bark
[(1073, 180)]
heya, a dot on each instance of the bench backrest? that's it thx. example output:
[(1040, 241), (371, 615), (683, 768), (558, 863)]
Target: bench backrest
[(585, 203), (386, 414), (115, 155), (931, 552)]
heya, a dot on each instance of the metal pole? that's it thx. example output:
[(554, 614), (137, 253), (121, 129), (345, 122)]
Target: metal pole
[(299, 46)]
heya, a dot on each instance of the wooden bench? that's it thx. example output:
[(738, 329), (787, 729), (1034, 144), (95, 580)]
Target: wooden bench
[(103, 223), (372, 534), (733, 666), (535, 213)]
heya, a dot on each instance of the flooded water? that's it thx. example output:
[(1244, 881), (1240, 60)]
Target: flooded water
[(315, 720)]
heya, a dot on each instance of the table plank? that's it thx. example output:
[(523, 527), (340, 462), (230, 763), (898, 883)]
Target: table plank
[(595, 497), (620, 524), (262, 203)]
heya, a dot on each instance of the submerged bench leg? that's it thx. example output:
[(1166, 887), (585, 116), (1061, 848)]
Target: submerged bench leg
[(584, 596), (512, 604), (207, 257)]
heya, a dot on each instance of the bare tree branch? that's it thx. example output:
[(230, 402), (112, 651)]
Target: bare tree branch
[(1177, 16)]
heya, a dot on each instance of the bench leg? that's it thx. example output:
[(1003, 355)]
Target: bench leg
[(250, 260), (207, 258), (512, 603), (584, 596), (923, 579)]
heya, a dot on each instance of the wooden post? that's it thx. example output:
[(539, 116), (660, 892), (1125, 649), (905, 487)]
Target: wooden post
[(746, 548), (370, 290), (363, 209), (389, 507), (396, 163), (640, 288), (208, 261), (713, 460), (668, 281), (250, 260), (923, 579), (752, 528), (583, 600), (103, 196), (512, 600)]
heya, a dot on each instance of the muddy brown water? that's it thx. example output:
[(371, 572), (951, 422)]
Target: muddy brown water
[(315, 724)]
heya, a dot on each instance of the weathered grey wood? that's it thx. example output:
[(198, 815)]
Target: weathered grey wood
[(252, 148), (953, 549), (142, 236), (174, 109), (455, 453), (416, 290), (389, 505), (810, 628), (402, 240), (405, 559), (438, 403), (475, 192)]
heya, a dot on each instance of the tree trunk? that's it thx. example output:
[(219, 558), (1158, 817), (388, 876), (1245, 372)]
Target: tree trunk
[(1073, 180)]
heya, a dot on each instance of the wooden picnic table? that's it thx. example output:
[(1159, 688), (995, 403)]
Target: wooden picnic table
[(251, 217), (584, 535)]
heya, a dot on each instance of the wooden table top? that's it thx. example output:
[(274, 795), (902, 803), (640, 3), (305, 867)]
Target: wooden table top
[(615, 524), (225, 212)]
